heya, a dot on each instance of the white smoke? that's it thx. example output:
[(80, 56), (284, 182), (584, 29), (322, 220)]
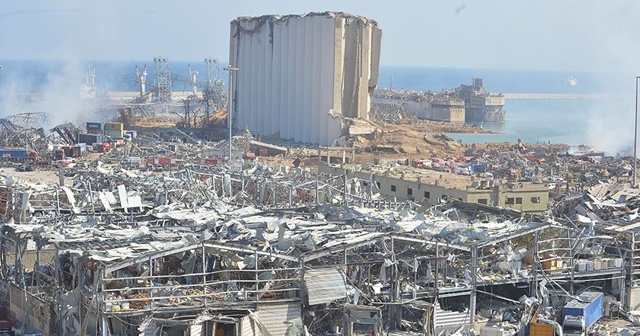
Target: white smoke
[(611, 29), (58, 95)]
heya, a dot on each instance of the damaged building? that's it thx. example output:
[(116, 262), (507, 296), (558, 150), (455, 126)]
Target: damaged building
[(300, 76), (430, 188)]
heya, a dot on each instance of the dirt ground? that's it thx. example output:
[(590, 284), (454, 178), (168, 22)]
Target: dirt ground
[(47, 175)]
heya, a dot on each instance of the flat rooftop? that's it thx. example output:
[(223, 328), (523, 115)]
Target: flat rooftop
[(433, 177)]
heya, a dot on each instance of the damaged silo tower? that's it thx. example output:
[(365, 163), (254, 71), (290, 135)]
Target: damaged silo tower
[(300, 74)]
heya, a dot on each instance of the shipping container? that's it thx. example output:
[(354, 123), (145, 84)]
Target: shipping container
[(96, 132), (114, 134), (583, 311), (210, 161), (90, 139), (114, 126), (94, 126), (87, 138), (541, 329), (163, 161), (13, 153)]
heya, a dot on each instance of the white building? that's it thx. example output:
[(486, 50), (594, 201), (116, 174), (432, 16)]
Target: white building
[(300, 74)]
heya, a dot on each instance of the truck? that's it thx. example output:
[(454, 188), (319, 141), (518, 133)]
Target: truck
[(581, 314), (103, 147)]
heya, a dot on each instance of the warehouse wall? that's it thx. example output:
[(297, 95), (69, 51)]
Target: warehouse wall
[(298, 74)]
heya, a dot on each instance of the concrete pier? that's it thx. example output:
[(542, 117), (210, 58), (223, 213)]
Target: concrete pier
[(562, 96)]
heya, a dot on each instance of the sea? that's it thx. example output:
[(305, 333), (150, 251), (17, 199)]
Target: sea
[(599, 111)]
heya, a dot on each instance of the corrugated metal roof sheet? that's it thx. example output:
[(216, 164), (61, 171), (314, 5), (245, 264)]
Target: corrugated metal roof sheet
[(445, 319), (325, 285)]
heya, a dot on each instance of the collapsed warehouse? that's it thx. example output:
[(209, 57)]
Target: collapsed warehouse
[(258, 250)]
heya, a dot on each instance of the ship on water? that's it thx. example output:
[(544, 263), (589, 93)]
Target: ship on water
[(467, 103)]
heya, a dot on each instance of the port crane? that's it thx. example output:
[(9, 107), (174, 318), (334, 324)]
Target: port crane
[(198, 108), (212, 99)]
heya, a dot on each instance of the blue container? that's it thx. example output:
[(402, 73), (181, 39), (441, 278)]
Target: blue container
[(94, 126), (32, 333), (589, 307), (479, 168), (13, 153)]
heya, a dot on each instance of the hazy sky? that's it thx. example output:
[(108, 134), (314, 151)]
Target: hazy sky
[(510, 34)]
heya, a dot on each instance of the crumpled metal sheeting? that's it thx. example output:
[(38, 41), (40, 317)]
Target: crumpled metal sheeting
[(246, 224), (601, 203), (258, 237), (257, 185)]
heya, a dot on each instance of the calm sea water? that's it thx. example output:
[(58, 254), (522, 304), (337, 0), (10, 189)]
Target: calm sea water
[(605, 124)]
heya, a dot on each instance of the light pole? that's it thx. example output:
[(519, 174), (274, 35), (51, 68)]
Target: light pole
[(231, 70), (635, 137)]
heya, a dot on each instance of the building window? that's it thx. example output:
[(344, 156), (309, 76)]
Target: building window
[(427, 194), (409, 191), (535, 200), (510, 200), (393, 188), (378, 185), (518, 200), (483, 201)]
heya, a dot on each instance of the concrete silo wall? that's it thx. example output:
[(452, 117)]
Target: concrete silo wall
[(297, 74)]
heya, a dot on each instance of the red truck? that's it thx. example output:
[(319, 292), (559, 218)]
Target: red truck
[(102, 147)]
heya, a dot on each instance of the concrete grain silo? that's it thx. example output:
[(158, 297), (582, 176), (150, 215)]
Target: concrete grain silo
[(298, 75)]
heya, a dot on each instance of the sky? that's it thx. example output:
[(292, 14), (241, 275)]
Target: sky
[(581, 35)]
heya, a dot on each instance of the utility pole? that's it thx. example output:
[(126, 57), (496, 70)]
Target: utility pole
[(635, 138), (232, 71)]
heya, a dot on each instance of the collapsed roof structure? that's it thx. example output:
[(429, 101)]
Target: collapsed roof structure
[(257, 250)]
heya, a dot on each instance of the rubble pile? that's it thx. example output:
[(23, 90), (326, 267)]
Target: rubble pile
[(168, 233), (139, 246)]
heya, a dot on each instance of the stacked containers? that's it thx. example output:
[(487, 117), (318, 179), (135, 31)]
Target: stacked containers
[(114, 129), (94, 128)]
